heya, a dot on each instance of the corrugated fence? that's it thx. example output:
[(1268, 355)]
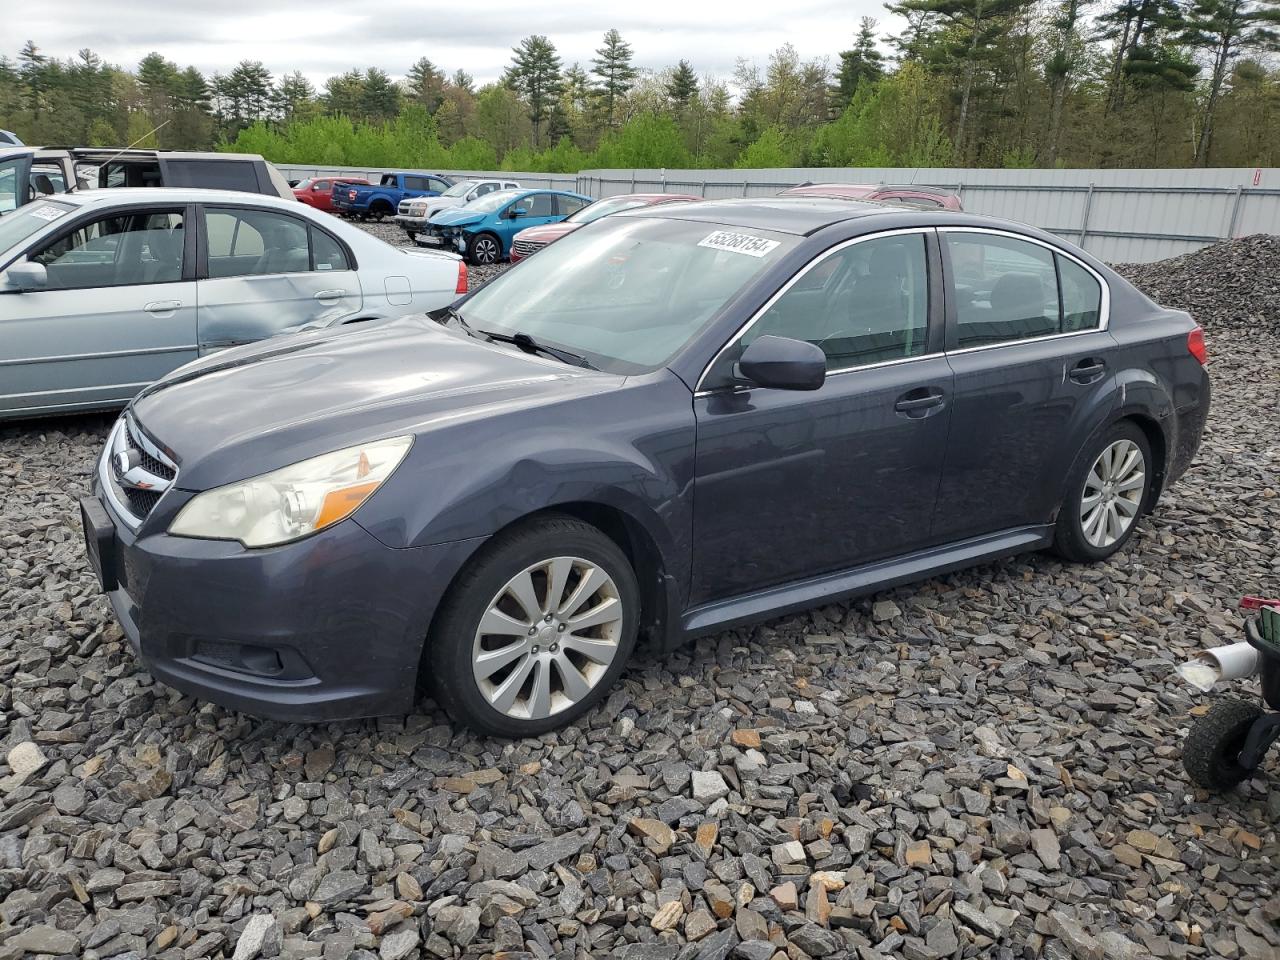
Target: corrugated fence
[(1117, 215)]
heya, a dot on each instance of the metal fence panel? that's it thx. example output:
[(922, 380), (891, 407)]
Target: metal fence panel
[(1117, 215)]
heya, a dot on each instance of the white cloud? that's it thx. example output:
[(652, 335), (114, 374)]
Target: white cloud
[(324, 37)]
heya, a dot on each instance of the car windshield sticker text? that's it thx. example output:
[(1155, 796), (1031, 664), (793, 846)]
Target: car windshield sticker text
[(48, 213), (739, 243)]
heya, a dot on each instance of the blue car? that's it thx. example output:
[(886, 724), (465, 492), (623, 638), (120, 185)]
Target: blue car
[(483, 229)]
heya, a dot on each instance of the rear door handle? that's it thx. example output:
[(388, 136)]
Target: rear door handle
[(330, 294), (920, 402), (1088, 370), (162, 306)]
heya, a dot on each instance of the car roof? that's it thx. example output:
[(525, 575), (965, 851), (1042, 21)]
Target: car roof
[(796, 215), (115, 196)]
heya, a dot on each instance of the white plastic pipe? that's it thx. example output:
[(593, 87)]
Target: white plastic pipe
[(1232, 662)]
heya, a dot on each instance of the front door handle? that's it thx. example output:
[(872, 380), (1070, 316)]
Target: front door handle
[(920, 402), (1088, 370), (162, 306), (331, 294)]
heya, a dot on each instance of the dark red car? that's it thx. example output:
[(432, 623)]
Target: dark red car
[(914, 195), (528, 242), (318, 191)]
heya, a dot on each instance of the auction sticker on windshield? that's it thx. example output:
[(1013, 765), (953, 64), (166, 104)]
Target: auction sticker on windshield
[(739, 243), (48, 212)]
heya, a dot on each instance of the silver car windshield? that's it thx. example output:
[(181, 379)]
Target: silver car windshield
[(627, 293), (459, 189), (25, 222)]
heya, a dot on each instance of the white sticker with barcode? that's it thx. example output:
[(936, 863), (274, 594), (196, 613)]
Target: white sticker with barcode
[(47, 212), (739, 243)]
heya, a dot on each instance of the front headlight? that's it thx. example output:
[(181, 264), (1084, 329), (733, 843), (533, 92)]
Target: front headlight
[(294, 501)]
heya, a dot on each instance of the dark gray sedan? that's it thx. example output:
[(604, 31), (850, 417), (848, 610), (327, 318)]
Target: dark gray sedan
[(669, 422)]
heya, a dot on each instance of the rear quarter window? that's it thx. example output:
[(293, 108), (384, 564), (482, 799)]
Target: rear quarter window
[(212, 174)]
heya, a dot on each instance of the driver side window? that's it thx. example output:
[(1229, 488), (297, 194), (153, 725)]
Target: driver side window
[(120, 250), (864, 304)]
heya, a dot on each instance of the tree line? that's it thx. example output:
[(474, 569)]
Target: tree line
[(993, 83)]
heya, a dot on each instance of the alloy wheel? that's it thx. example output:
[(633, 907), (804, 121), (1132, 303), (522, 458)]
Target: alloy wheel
[(547, 638), (486, 251), (1113, 490)]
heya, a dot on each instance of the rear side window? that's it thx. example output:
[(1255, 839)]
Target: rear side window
[(212, 174), (326, 251), (1081, 297), (245, 243), (415, 183), (1005, 289)]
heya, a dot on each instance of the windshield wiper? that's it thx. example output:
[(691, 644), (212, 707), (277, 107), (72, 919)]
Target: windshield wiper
[(530, 345)]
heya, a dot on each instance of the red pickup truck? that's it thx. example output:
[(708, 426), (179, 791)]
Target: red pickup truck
[(318, 191)]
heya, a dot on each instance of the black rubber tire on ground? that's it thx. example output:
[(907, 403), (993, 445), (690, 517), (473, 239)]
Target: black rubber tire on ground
[(380, 209), (448, 660), (410, 234), (1212, 748), (1069, 541), (477, 252)]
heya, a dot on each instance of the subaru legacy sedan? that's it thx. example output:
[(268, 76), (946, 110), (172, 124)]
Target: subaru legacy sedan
[(104, 291), (688, 417)]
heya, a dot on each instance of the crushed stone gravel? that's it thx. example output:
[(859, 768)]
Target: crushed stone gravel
[(981, 765)]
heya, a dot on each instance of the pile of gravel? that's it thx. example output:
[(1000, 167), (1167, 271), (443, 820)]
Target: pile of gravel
[(982, 765), (1233, 285)]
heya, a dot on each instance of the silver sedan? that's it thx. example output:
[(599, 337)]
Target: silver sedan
[(104, 291)]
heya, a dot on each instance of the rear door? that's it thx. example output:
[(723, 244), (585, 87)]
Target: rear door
[(262, 271), (118, 311), (1027, 339)]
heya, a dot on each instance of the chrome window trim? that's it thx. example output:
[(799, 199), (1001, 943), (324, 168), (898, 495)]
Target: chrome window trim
[(1104, 308), (782, 291)]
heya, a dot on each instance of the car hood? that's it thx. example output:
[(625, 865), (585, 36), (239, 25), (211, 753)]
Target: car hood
[(547, 233), (243, 412), (456, 217)]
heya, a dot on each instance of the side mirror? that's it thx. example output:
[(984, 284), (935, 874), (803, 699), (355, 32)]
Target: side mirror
[(26, 277), (781, 363), (516, 212)]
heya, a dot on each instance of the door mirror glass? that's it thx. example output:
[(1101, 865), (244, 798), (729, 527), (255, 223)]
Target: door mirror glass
[(25, 277), (783, 364), (517, 212)]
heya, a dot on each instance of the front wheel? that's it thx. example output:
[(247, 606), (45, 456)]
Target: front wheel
[(1105, 493), (484, 249), (1211, 752), (536, 629)]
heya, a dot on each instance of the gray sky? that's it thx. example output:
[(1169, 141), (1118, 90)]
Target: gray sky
[(323, 37)]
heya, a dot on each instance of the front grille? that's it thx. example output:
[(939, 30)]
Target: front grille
[(135, 472), (527, 248)]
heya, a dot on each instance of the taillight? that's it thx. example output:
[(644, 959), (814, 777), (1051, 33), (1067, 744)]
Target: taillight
[(351, 194), (1196, 347), (462, 278)]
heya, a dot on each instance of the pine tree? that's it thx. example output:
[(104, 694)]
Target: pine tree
[(381, 98), (1222, 30), (535, 74), (683, 85), (612, 66), (1065, 60), (464, 81), (863, 64), (425, 84), (295, 97)]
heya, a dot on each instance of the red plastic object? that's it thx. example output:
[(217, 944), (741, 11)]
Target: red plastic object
[(1196, 347), (1257, 603)]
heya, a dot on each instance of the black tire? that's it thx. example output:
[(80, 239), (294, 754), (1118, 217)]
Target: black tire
[(1069, 540), (380, 209), (484, 249), (410, 234), (1211, 751), (448, 660)]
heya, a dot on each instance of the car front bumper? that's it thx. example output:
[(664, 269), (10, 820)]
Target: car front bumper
[(411, 224), (438, 240), (327, 628)]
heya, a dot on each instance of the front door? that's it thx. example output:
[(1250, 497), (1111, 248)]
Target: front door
[(266, 271), (1033, 372), (533, 210), (118, 311), (793, 484)]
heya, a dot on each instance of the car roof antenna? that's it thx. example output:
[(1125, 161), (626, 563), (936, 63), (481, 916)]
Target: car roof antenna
[(124, 150)]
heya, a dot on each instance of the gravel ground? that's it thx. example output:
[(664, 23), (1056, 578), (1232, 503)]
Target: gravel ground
[(985, 764)]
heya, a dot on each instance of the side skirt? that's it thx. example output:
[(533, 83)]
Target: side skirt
[(869, 578)]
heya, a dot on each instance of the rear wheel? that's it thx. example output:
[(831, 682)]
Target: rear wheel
[(1105, 494), (536, 630), (1211, 751), (484, 249), (381, 209)]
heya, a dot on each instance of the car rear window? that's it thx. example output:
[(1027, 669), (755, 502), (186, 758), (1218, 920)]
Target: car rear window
[(212, 174)]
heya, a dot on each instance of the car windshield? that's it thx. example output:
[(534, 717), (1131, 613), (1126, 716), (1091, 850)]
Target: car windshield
[(303, 184), (459, 189), (602, 208), (491, 201), (627, 293), (18, 226)]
